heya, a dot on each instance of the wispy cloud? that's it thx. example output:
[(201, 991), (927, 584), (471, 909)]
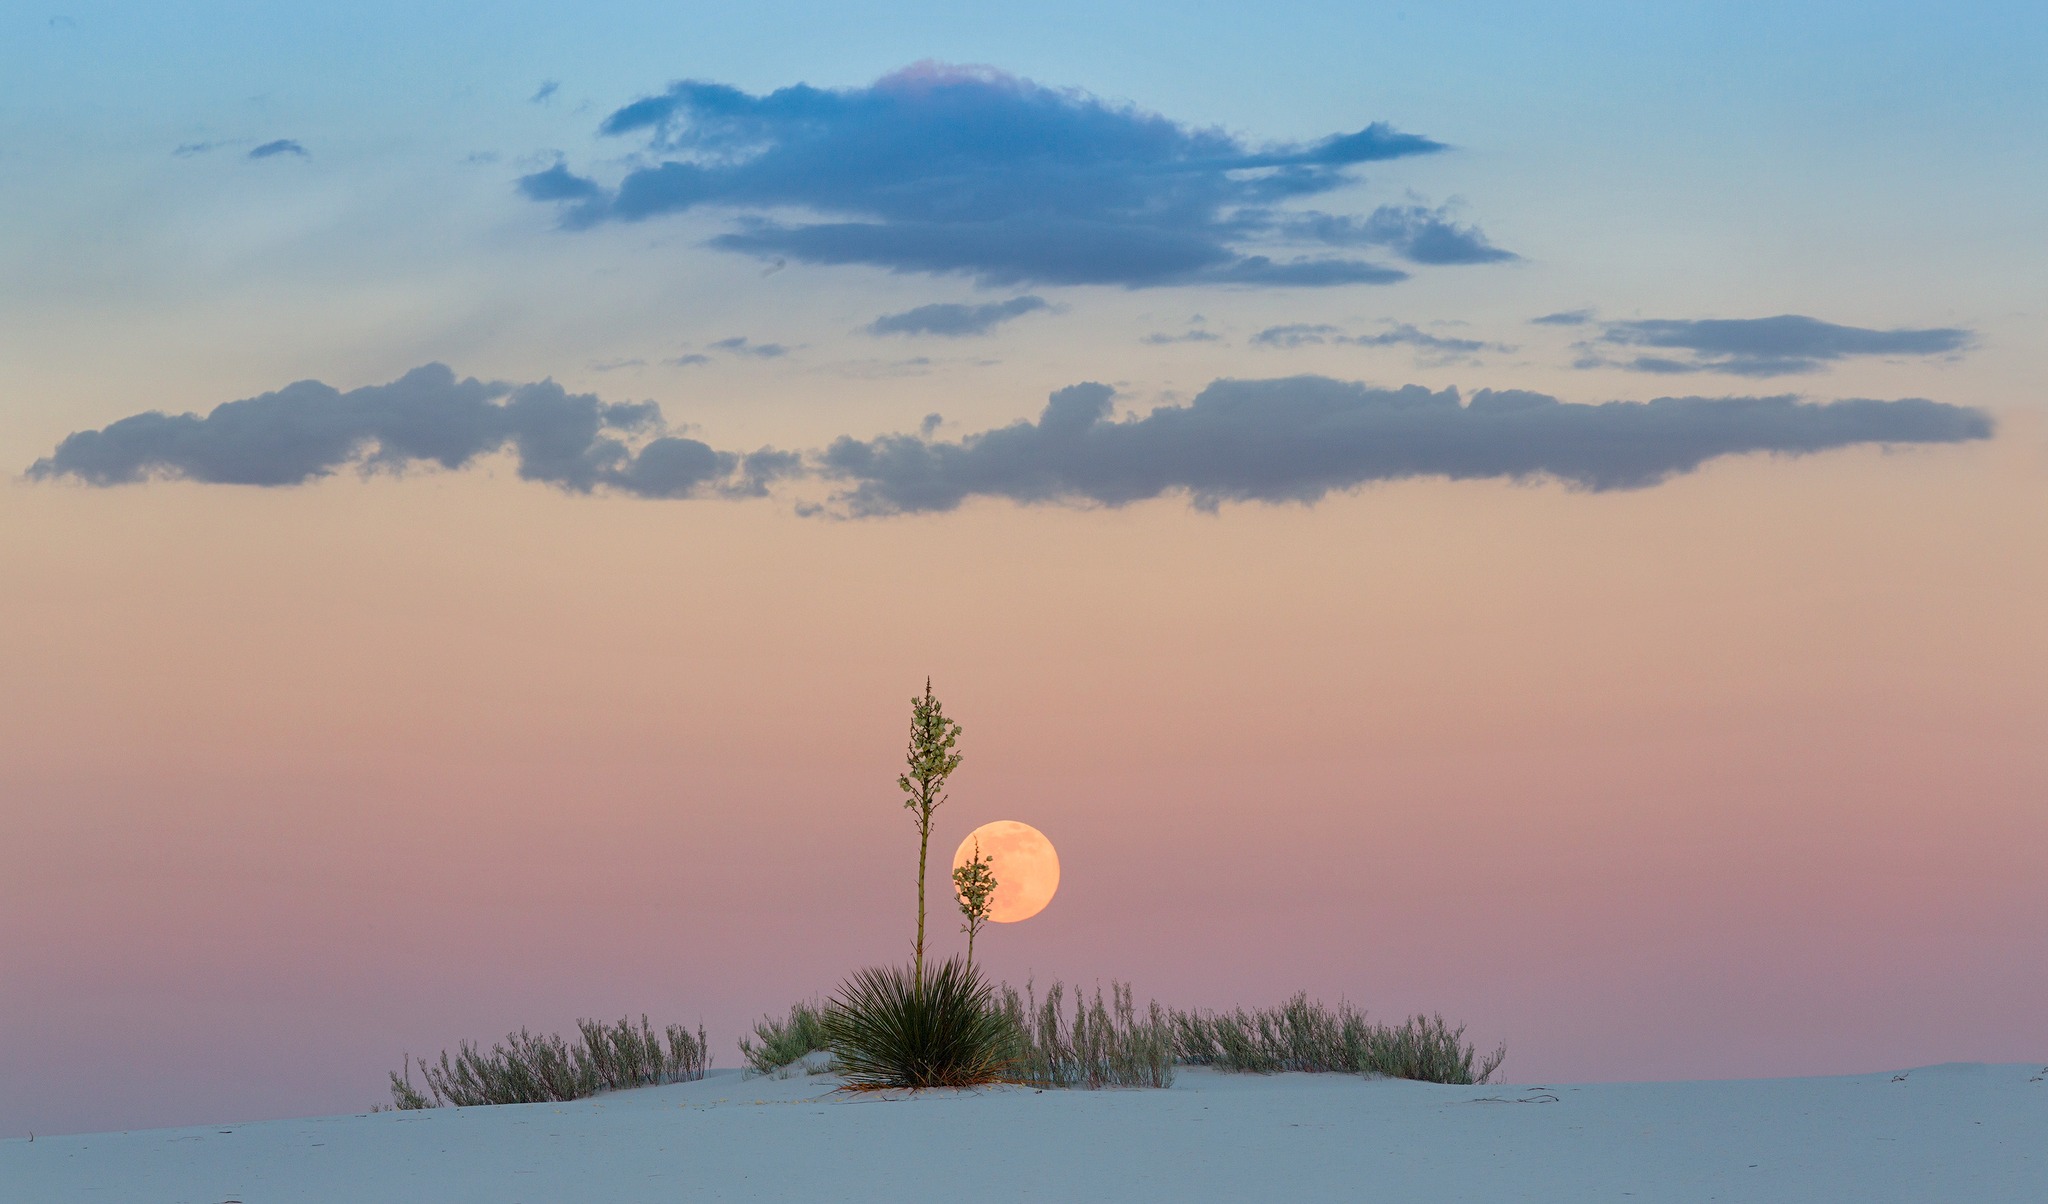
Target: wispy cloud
[(1440, 348), (282, 146), (742, 345), (1564, 317), (1779, 346), (955, 320), (943, 169), (545, 92), (1419, 234)]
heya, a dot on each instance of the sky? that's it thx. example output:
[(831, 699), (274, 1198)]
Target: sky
[(1534, 513)]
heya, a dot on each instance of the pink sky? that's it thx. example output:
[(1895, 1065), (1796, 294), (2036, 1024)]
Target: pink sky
[(1738, 776)]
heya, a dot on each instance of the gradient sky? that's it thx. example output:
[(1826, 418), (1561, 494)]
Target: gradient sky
[(1064, 355)]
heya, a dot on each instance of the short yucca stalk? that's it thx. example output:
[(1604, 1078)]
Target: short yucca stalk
[(975, 885)]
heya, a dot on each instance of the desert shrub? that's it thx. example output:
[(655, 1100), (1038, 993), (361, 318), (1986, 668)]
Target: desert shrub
[(1100, 1046), (530, 1069), (889, 1026), (1305, 1035), (1430, 1050), (782, 1042)]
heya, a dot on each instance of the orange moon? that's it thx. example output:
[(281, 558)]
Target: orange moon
[(1027, 869)]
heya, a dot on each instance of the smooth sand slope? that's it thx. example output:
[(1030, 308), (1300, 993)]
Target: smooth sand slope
[(1944, 1133)]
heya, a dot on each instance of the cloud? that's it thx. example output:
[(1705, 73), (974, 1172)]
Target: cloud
[(1301, 438), (688, 361), (186, 150), (546, 90), (1160, 339), (1296, 334), (283, 146), (1788, 343), (954, 320), (1437, 347), (308, 430), (1565, 317), (953, 170), (1295, 439), (1419, 234), (741, 345)]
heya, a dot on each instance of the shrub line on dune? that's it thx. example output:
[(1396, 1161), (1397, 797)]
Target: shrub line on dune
[(532, 1069)]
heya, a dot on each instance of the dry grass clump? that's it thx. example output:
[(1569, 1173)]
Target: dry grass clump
[(1101, 1045), (530, 1069), (1305, 1035), (892, 1026), (783, 1042)]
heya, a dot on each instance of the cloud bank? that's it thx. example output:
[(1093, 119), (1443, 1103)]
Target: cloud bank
[(970, 171), (1295, 439), (1779, 346), (1300, 438), (308, 430)]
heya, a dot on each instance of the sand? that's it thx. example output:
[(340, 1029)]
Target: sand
[(1954, 1133)]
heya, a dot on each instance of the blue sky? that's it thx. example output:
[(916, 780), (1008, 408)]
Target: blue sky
[(214, 200), (1872, 166)]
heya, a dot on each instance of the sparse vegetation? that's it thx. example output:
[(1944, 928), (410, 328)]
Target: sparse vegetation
[(531, 1069), (1305, 1035), (783, 1042), (892, 1027), (1101, 1045)]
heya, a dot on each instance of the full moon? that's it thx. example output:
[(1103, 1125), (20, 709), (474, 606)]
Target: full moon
[(1026, 868)]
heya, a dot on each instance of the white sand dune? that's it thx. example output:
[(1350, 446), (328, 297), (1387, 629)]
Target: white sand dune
[(1953, 1133)]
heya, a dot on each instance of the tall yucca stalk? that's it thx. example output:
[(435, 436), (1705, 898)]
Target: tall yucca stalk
[(931, 761)]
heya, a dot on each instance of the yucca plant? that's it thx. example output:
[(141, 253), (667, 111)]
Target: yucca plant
[(890, 1027)]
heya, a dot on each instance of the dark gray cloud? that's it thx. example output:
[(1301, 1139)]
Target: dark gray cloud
[(283, 146), (1288, 440), (953, 319), (1298, 439), (971, 171), (1780, 346), (309, 430)]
